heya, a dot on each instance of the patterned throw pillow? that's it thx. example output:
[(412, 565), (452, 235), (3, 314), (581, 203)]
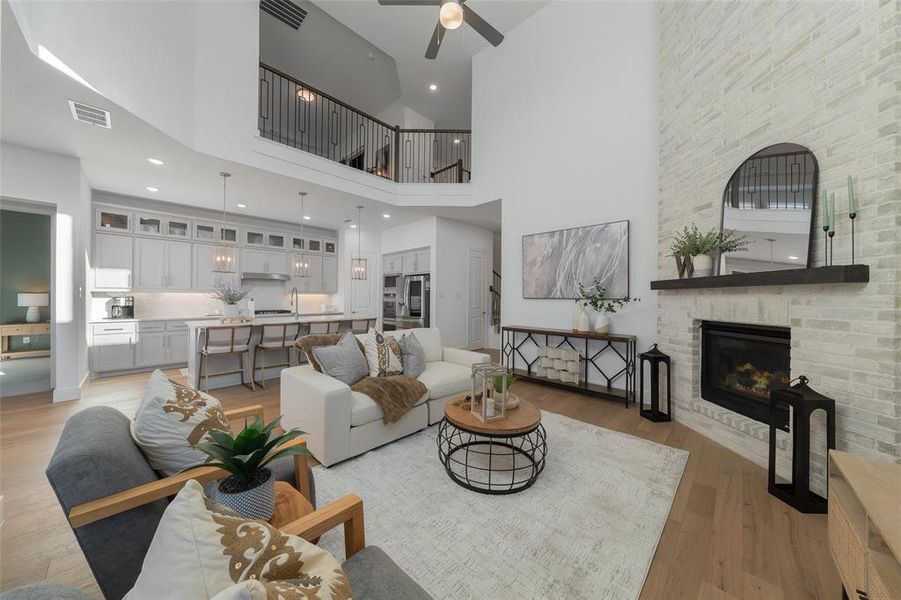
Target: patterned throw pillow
[(171, 419), (382, 354), (201, 550)]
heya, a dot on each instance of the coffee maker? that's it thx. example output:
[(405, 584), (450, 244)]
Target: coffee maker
[(122, 307)]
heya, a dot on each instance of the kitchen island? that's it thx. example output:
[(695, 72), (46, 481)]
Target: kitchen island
[(197, 335)]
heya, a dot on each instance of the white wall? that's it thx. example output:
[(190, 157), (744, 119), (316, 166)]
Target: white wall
[(565, 132), (451, 290), (56, 180)]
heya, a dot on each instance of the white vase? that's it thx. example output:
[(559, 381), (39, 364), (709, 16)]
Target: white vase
[(581, 318), (602, 323), (230, 311), (703, 265)]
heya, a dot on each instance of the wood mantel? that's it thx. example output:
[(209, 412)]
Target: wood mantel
[(813, 276)]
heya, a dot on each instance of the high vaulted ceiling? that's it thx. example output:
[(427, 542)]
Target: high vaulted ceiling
[(404, 32)]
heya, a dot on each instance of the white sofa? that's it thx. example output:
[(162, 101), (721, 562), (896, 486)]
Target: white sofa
[(340, 423)]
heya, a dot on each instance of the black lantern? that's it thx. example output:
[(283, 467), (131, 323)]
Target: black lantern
[(655, 358), (803, 401)]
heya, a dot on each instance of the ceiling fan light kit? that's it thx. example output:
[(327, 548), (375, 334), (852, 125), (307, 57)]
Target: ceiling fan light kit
[(451, 14)]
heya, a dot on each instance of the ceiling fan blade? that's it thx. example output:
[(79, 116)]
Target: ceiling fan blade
[(410, 2), (431, 52), (488, 32)]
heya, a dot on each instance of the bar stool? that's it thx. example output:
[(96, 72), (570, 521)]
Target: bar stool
[(324, 326), (345, 326), (276, 337), (223, 341), (362, 325)]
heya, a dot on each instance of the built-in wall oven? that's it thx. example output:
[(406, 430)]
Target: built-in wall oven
[(389, 302)]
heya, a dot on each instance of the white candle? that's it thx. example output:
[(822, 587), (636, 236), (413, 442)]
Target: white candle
[(489, 407)]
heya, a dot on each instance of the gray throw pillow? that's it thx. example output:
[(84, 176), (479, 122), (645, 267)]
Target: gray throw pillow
[(343, 361), (412, 355)]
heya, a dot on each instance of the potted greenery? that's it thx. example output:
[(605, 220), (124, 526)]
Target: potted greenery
[(512, 400), (250, 488), (697, 249), (229, 293), (596, 298)]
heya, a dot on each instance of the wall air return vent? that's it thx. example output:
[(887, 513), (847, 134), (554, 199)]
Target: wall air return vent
[(285, 11), (90, 114)]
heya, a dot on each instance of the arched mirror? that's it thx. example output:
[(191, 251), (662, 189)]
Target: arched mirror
[(770, 199)]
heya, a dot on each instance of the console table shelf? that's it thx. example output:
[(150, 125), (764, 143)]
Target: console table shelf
[(622, 348), (816, 275)]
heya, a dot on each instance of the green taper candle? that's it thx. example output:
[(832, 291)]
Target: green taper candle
[(851, 205), (825, 209), (832, 212)]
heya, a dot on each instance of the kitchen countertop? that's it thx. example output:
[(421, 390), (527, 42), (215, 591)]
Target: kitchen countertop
[(279, 320), (209, 318)]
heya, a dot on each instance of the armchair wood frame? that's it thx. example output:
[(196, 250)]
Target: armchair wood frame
[(101, 508)]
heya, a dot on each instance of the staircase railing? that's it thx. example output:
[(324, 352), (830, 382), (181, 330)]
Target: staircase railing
[(299, 115), (496, 301)]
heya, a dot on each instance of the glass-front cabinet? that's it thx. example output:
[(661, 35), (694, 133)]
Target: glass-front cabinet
[(229, 234), (254, 238), (109, 219), (297, 243), (149, 224), (329, 247), (275, 240), (314, 246), (205, 232), (178, 228)]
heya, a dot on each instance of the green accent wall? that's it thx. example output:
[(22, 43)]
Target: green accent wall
[(24, 267)]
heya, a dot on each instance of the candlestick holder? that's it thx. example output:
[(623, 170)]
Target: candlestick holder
[(826, 245), (852, 216), (831, 235)]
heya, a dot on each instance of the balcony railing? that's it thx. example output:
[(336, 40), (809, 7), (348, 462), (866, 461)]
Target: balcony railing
[(298, 115)]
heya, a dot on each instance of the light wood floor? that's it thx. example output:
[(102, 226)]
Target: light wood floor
[(725, 537)]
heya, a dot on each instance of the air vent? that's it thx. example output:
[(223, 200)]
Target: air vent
[(90, 114), (285, 11)]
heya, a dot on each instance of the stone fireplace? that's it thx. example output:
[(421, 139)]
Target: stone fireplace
[(741, 364)]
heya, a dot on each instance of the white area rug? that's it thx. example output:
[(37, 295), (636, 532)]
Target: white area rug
[(588, 528)]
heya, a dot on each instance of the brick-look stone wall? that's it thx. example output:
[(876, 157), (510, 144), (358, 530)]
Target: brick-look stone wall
[(736, 77)]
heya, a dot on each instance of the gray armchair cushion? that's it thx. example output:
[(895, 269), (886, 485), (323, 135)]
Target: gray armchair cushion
[(96, 457), (45, 591), (374, 576)]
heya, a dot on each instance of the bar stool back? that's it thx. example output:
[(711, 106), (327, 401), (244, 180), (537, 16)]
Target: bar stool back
[(362, 325), (278, 337), (324, 326), (224, 340)]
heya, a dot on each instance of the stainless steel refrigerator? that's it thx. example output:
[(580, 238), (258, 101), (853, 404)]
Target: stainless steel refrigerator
[(412, 303)]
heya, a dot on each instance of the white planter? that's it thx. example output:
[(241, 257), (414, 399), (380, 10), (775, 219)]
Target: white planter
[(703, 264), (230, 311), (602, 323), (581, 318)]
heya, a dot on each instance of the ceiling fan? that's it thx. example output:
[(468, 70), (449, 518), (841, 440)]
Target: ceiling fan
[(451, 15)]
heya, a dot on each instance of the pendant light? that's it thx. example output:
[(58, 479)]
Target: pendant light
[(224, 259), (301, 264), (358, 269)]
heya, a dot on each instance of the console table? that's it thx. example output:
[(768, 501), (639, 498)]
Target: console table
[(591, 347), (8, 330)]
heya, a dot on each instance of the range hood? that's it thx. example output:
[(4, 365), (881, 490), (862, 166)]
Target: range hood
[(265, 276)]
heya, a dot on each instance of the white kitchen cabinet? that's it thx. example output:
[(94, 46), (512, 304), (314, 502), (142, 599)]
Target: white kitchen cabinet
[(150, 350), (330, 247), (202, 276), (408, 262), (252, 261), (422, 261), (178, 265), (314, 245), (178, 228), (329, 274), (111, 219), (113, 352), (254, 238), (112, 261), (177, 347), (314, 281), (277, 262), (149, 224), (275, 240), (392, 264)]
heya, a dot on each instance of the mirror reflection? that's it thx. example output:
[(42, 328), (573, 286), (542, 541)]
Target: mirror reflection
[(770, 199)]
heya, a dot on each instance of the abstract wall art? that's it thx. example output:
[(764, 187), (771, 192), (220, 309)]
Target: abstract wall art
[(554, 262)]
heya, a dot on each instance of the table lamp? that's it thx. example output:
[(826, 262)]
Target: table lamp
[(33, 302)]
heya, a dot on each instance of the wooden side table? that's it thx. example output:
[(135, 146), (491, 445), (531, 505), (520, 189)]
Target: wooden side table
[(290, 505), (8, 330)]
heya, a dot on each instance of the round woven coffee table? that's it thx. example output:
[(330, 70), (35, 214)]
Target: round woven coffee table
[(496, 457)]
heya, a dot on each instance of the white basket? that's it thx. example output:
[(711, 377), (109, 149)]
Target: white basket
[(541, 371), (569, 354), (542, 351), (559, 364), (573, 366), (553, 352), (553, 374)]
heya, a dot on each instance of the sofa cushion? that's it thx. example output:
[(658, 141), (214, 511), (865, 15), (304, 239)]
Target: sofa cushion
[(200, 549), (45, 591), (430, 338), (365, 410), (444, 378), (171, 419), (412, 355), (343, 361), (374, 576), (382, 354)]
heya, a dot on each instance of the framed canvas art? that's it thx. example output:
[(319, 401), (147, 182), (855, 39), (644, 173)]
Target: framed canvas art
[(554, 262)]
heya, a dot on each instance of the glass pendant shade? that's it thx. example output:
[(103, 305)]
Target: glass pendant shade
[(225, 255), (450, 14), (358, 269)]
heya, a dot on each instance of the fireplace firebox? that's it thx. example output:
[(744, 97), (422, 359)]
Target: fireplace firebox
[(741, 364)]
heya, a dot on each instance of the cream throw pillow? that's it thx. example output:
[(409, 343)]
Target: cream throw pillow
[(382, 354), (201, 550), (171, 419)]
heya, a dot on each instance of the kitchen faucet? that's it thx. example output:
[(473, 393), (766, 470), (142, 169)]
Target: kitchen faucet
[(294, 301)]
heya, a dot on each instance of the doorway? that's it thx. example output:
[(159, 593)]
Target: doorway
[(25, 284)]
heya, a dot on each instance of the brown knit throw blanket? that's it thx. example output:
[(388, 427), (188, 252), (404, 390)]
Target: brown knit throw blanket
[(396, 395)]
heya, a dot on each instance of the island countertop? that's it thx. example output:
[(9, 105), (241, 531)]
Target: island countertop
[(276, 320)]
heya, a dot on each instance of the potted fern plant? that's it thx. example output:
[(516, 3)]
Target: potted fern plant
[(249, 490), (699, 248)]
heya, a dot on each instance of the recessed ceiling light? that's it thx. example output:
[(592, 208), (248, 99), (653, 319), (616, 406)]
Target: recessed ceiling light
[(150, 188), (241, 205), (353, 225), (457, 141), (433, 87), (386, 216), (307, 217), (156, 161), (792, 258)]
